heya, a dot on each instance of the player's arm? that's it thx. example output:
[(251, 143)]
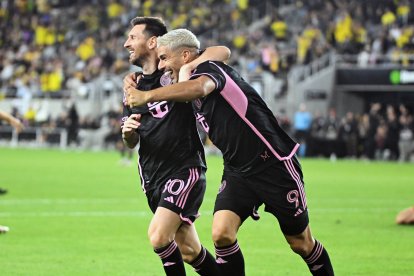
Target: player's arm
[(14, 122), (129, 133), (179, 92), (216, 53)]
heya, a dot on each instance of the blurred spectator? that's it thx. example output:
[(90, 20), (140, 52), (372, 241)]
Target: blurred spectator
[(374, 121), (279, 29), (406, 138), (364, 57), (388, 18), (331, 129), (393, 133), (380, 142), (284, 121), (363, 139), (348, 132), (403, 12), (301, 127), (73, 125)]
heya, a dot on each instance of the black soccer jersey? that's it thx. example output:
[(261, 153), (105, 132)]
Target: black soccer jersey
[(169, 140), (239, 122)]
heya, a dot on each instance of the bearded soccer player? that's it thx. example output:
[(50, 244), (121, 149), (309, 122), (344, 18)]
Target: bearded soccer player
[(171, 156), (260, 166)]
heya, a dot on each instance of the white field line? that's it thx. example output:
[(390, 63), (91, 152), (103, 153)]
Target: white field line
[(70, 201), (149, 214), (74, 201), (146, 213), (48, 201), (86, 214)]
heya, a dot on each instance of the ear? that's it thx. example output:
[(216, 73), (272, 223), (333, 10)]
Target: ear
[(152, 42), (186, 54)]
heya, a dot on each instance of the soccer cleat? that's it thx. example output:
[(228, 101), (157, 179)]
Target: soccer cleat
[(4, 229), (3, 191)]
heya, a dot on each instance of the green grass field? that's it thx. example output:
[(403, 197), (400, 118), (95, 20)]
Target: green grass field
[(81, 213)]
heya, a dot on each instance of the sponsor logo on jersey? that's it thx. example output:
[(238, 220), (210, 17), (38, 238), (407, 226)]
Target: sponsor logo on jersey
[(202, 121), (158, 109)]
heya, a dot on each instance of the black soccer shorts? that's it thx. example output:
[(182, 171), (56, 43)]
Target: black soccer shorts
[(279, 187), (181, 193)]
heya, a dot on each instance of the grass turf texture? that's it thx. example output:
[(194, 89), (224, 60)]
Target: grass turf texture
[(81, 213)]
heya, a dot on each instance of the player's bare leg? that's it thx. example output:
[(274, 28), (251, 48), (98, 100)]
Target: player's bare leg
[(175, 242), (193, 252), (161, 233), (312, 252), (228, 254)]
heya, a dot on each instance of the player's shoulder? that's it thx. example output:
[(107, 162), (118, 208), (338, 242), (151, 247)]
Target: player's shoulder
[(212, 63)]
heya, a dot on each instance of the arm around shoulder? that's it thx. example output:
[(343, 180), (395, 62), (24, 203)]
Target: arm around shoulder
[(183, 91)]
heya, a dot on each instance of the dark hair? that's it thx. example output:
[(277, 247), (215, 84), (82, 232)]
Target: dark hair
[(154, 26)]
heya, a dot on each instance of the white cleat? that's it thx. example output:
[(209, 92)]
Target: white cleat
[(4, 229)]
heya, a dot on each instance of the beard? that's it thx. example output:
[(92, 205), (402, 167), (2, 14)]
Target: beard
[(139, 61)]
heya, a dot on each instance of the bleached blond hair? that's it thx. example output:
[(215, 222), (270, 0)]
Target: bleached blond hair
[(179, 38)]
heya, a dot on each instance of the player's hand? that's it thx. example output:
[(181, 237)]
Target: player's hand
[(17, 124), (131, 125), (135, 97), (131, 80), (185, 72)]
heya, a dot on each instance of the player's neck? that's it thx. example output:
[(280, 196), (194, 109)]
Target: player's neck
[(149, 67)]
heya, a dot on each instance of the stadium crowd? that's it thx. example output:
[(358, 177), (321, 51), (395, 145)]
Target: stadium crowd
[(385, 132), (55, 48), (59, 48)]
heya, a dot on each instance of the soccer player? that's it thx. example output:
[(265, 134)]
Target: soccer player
[(171, 156), (260, 166), (18, 126)]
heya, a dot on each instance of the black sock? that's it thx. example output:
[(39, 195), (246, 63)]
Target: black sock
[(171, 259), (205, 264), (318, 261), (230, 260)]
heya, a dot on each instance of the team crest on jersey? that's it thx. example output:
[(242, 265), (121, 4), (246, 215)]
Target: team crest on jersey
[(166, 79), (222, 186)]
